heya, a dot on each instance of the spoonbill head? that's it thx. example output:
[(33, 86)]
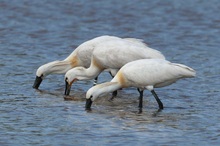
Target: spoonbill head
[(74, 75), (59, 67)]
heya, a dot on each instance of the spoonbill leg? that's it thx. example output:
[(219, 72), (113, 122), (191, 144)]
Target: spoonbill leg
[(157, 98), (140, 100)]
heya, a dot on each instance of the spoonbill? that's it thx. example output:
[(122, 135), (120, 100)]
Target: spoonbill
[(143, 74), (110, 55), (81, 56)]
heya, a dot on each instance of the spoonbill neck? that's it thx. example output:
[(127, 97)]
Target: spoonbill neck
[(73, 59), (60, 67), (102, 89), (55, 67), (89, 73)]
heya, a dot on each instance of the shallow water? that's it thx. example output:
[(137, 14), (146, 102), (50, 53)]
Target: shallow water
[(36, 32)]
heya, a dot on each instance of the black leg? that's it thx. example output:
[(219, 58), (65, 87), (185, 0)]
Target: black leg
[(95, 81), (114, 94), (140, 100), (158, 100), (111, 74)]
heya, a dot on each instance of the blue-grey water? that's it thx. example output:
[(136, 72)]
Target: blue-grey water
[(34, 32)]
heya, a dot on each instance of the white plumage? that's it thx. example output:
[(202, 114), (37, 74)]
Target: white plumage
[(143, 74), (81, 56), (111, 55)]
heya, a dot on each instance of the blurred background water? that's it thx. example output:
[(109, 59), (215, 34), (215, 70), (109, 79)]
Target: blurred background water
[(35, 32)]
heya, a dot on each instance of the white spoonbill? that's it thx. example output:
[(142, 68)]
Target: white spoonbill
[(81, 56), (110, 55), (143, 74)]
